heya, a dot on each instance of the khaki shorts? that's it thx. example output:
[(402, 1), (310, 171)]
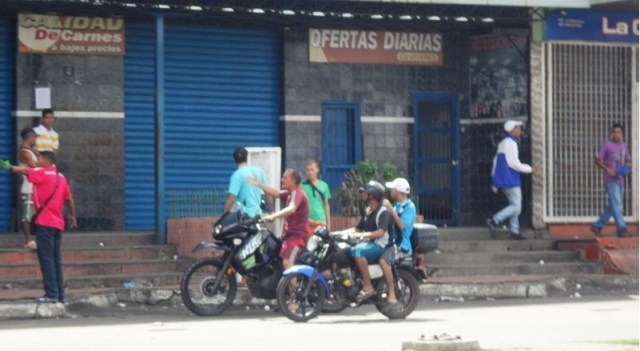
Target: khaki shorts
[(26, 207)]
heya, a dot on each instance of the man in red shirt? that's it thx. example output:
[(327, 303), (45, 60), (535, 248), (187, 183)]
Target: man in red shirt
[(50, 192), (296, 214)]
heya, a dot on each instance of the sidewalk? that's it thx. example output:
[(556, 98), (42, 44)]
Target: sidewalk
[(18, 304)]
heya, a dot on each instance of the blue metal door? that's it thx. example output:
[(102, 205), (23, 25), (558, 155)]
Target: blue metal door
[(7, 135), (436, 154), (341, 141)]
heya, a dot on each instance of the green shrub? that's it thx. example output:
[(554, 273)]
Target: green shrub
[(348, 196)]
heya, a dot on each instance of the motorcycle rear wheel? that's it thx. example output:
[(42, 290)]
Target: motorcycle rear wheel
[(292, 300), (407, 293), (197, 288)]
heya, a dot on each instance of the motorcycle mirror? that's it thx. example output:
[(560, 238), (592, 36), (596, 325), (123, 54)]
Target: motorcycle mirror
[(265, 205)]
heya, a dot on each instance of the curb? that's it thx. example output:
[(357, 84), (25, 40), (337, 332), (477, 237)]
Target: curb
[(486, 291), (32, 311), (573, 287)]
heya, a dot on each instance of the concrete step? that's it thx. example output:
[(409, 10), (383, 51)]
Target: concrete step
[(435, 259), (95, 267), (70, 254), (88, 239), (482, 233), (495, 245), (14, 287), (556, 269)]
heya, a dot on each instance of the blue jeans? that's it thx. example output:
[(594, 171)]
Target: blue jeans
[(512, 211), (50, 257), (614, 191)]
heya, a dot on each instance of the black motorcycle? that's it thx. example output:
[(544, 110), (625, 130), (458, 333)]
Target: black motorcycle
[(329, 272), (241, 245)]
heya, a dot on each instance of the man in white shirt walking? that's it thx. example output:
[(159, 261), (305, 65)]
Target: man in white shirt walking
[(506, 177)]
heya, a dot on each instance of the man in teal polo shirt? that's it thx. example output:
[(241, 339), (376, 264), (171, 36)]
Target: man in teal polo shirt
[(248, 196), (318, 194)]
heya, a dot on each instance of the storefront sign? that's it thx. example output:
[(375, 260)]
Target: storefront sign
[(71, 35), (599, 26), (381, 47), (498, 74)]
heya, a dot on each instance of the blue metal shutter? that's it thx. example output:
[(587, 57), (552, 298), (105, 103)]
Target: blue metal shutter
[(7, 136), (222, 92), (139, 128)]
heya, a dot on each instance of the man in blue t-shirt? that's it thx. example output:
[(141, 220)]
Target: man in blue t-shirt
[(247, 195), (402, 216)]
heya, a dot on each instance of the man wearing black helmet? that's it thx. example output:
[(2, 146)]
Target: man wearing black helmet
[(373, 229)]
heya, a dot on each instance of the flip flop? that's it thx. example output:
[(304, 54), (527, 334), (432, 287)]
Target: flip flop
[(364, 295)]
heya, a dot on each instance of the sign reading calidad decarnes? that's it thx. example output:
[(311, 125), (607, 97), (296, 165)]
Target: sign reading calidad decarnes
[(71, 35), (375, 47)]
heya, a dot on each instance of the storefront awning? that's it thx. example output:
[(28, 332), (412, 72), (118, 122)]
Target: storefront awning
[(515, 3)]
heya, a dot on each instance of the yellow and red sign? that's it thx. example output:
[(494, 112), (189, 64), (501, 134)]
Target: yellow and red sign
[(379, 47), (71, 35)]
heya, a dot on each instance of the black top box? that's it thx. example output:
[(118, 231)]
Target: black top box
[(426, 236)]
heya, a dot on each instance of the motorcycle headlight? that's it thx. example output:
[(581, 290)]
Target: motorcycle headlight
[(312, 243), (217, 230)]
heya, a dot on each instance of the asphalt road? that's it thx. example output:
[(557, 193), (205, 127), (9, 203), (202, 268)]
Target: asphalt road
[(585, 324)]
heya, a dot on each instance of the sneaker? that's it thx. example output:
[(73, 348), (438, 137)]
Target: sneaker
[(31, 245), (596, 231), (623, 232), (45, 299), (492, 227), (514, 236)]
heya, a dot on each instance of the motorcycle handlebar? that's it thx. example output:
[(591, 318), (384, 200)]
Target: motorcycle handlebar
[(251, 221), (345, 237)]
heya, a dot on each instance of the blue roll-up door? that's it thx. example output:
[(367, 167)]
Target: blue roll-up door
[(139, 128), (222, 91), (7, 136)]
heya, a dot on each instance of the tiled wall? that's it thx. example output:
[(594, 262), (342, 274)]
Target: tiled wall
[(91, 151)]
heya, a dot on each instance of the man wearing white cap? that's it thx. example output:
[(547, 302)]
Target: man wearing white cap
[(403, 217), (506, 177)]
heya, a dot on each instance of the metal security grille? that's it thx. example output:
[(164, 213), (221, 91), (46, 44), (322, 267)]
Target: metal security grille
[(589, 87)]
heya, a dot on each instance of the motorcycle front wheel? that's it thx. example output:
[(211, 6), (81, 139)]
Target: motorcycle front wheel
[(332, 302), (199, 290), (333, 305), (294, 303), (407, 292)]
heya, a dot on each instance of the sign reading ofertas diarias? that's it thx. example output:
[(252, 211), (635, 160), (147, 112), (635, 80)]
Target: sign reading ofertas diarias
[(382, 47), (70, 35)]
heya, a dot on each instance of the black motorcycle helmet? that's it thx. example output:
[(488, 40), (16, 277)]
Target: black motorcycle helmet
[(375, 191)]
